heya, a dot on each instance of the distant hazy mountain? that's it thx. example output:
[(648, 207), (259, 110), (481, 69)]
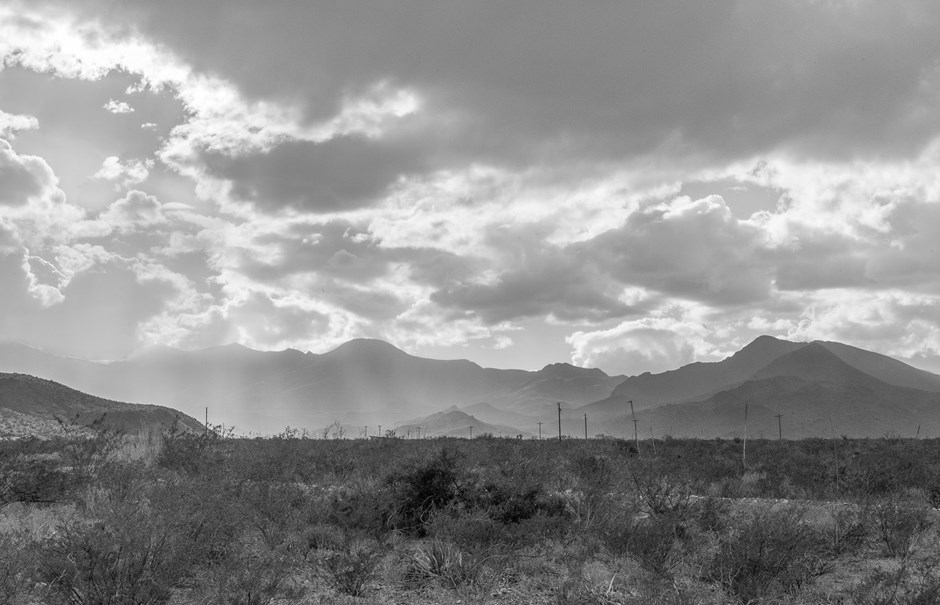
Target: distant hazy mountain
[(361, 382), (816, 393), (556, 382), (487, 412), (453, 422), (820, 388), (38, 404)]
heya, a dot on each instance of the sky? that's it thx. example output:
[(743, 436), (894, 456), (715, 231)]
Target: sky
[(626, 185)]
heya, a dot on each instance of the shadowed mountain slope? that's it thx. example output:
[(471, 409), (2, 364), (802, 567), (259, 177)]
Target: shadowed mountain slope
[(884, 368), (693, 380), (42, 403), (817, 395)]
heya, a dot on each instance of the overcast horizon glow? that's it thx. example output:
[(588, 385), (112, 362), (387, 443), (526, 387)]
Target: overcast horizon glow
[(630, 186)]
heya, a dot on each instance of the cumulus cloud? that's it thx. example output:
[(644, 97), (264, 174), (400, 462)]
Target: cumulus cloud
[(136, 210), (653, 344), (23, 177), (126, 174), (11, 123), (118, 107)]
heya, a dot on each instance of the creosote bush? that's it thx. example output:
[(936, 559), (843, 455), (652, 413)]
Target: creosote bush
[(773, 553), (899, 525), (17, 568), (126, 557), (214, 519)]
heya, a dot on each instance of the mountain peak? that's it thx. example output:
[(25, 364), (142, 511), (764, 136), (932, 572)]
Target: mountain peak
[(765, 344), (566, 370), (814, 362), (366, 346)]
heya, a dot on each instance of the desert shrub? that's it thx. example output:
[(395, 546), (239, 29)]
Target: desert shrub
[(773, 553), (322, 536), (191, 452), (913, 582), (362, 506), (899, 525), (129, 557), (709, 514), (466, 528), (352, 565), (507, 496), (427, 487), (204, 513), (273, 509), (17, 566), (650, 540), (663, 495), (469, 572), (848, 530), (35, 480), (251, 576), (286, 457)]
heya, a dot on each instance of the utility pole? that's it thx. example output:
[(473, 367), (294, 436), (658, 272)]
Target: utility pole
[(471, 432), (636, 436), (585, 426), (559, 421), (744, 446), (380, 430), (779, 428), (540, 431), (207, 422)]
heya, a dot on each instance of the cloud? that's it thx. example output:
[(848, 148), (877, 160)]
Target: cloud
[(127, 174), (652, 344), (136, 210), (602, 81), (23, 177), (97, 316), (341, 173), (692, 249), (536, 280), (447, 176), (897, 323), (117, 107), (11, 123)]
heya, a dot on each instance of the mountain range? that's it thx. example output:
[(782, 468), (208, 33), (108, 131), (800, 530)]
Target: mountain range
[(362, 382), (789, 388)]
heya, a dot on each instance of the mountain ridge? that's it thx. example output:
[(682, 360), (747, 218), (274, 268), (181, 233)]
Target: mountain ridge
[(366, 382)]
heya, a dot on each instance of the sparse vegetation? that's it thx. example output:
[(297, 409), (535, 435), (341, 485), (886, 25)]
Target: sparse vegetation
[(207, 518)]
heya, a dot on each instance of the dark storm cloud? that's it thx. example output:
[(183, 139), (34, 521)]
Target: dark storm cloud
[(339, 174), (690, 249), (534, 293), (822, 261), (537, 280), (347, 252), (532, 80)]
